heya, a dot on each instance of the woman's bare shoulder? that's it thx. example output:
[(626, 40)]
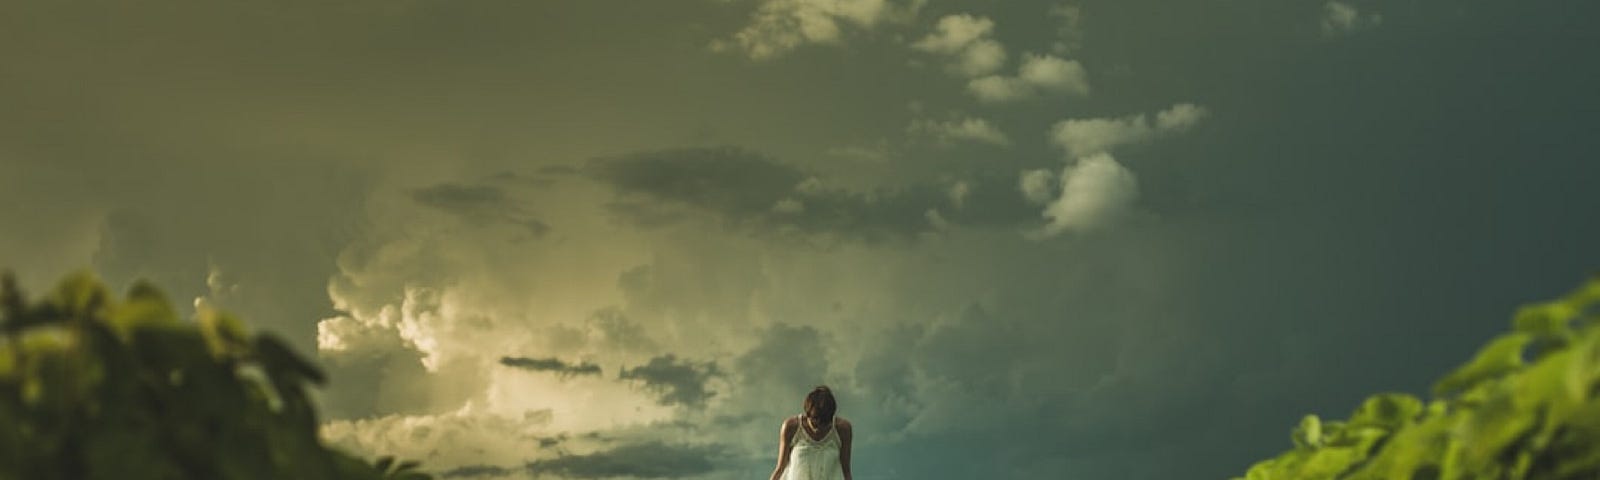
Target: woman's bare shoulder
[(844, 425)]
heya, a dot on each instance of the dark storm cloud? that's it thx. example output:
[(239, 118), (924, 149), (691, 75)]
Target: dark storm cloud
[(674, 381), (560, 368), (787, 356), (637, 460), (477, 471), (615, 329), (463, 199), (749, 191), (480, 205)]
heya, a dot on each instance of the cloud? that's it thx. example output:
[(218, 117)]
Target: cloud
[(446, 441), (1082, 137), (740, 183), (674, 381), (1094, 189), (469, 471), (780, 26), (959, 192), (746, 191), (561, 369), (966, 39), (610, 329), (969, 129), (1339, 18), (1093, 192), (1069, 35), (1037, 186), (1038, 74), (479, 205), (639, 460), (784, 363)]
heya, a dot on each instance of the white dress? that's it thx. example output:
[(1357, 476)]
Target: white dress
[(811, 459)]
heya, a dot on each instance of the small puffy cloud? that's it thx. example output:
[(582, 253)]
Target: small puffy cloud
[(999, 89), (1339, 18), (982, 57), (1038, 186), (1179, 117), (1051, 73), (966, 39), (555, 365), (674, 381), (1095, 189), (1038, 74), (1081, 137), (967, 129), (959, 192), (780, 26), (1093, 192), (954, 33)]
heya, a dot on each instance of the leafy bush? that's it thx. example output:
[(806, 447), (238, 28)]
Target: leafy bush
[(96, 388), (1527, 407)]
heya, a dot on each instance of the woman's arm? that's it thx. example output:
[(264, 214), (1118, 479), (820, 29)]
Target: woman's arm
[(784, 434), (846, 433)]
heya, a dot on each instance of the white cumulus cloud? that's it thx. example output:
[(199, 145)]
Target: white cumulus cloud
[(1081, 137), (1037, 186), (967, 129), (1093, 192), (1038, 74), (967, 39), (1094, 189), (780, 26)]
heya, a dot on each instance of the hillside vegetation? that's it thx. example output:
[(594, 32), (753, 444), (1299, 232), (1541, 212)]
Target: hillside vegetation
[(1527, 407), (95, 387)]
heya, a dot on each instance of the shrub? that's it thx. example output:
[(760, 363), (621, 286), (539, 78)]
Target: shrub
[(92, 387), (1526, 407)]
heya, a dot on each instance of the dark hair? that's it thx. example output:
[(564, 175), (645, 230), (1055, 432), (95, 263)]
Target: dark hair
[(820, 405)]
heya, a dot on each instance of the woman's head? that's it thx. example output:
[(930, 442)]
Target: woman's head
[(820, 405)]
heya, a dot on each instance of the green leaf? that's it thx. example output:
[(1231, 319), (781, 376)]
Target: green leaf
[(8, 362), (224, 334), (1309, 433), (81, 294), (281, 360), (1390, 411), (1502, 355), (144, 307)]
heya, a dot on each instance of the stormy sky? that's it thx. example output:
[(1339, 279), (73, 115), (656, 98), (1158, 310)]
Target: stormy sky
[(1092, 239)]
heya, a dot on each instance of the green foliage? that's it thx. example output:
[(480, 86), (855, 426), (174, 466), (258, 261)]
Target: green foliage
[(96, 388), (1527, 407)]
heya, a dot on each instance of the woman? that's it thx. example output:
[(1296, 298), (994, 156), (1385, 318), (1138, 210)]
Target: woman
[(814, 445)]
